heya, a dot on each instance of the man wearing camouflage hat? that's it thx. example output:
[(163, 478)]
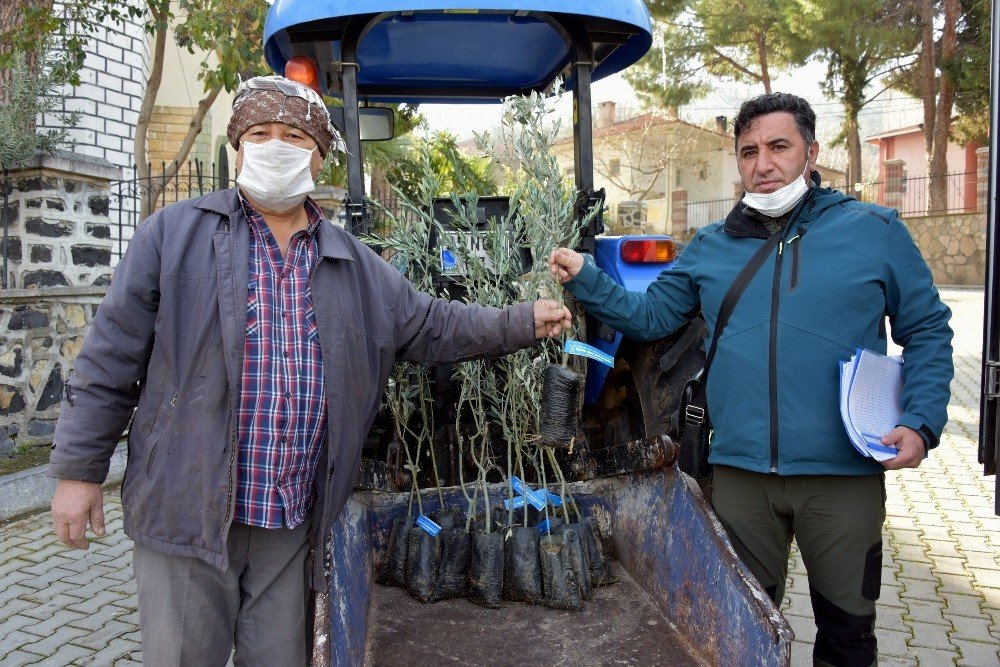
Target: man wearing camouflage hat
[(253, 338)]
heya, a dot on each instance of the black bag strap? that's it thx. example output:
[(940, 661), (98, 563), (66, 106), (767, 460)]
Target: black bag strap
[(736, 291), (693, 411)]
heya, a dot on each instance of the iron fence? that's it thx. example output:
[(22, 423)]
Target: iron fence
[(910, 196)]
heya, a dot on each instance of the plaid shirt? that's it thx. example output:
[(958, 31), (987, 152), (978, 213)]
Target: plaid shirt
[(282, 411)]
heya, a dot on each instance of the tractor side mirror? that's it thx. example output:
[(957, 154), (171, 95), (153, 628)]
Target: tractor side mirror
[(377, 123)]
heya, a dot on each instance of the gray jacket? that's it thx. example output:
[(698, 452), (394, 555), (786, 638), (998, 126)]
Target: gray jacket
[(168, 340)]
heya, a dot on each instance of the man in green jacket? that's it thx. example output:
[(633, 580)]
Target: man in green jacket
[(783, 463)]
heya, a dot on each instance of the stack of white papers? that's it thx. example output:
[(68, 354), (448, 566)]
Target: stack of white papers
[(870, 388)]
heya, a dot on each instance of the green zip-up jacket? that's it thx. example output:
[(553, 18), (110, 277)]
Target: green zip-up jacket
[(841, 268)]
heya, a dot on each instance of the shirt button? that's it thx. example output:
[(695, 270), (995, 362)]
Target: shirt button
[(288, 394), (286, 354)]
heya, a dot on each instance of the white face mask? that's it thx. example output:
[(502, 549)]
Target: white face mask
[(780, 201), (276, 174)]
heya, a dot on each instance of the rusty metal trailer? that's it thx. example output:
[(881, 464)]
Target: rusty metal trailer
[(682, 597)]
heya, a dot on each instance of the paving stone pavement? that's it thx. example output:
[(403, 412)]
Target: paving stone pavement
[(940, 602)]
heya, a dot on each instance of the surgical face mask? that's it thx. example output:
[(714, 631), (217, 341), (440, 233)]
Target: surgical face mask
[(779, 202), (276, 174)]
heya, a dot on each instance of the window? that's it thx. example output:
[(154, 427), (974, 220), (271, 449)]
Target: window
[(615, 167)]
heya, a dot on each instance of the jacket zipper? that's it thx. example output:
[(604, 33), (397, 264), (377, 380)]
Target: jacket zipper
[(772, 351), (799, 234), (772, 358), (231, 486)]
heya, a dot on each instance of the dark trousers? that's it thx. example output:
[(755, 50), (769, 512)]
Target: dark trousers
[(837, 523), (192, 613)]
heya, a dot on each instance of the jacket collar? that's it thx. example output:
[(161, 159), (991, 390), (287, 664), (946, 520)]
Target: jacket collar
[(739, 223), (332, 240)]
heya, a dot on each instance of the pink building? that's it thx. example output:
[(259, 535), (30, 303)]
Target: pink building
[(903, 181)]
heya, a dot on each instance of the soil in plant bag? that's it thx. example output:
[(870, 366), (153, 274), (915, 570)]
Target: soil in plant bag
[(600, 565), (453, 567), (394, 573), (560, 398), (560, 587), (486, 569), (522, 576), (422, 558), (575, 548)]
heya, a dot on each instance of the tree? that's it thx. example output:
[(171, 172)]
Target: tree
[(231, 29), (31, 26), (32, 90), (699, 43), (380, 157), (860, 41), (453, 171), (951, 69), (972, 84), (937, 112)]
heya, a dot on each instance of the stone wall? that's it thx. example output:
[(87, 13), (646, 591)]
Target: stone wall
[(58, 224), (954, 246), (41, 332)]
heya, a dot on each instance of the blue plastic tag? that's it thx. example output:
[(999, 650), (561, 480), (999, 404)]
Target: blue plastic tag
[(514, 504), (589, 351), (532, 497), (543, 527), (428, 525), (550, 497)]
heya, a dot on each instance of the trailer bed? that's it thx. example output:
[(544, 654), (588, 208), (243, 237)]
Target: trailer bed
[(619, 626), (672, 561)]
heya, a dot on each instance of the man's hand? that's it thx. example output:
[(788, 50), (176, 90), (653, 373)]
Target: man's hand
[(564, 264), (551, 318), (910, 445), (73, 505)]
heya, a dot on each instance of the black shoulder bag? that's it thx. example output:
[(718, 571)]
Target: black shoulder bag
[(694, 420)]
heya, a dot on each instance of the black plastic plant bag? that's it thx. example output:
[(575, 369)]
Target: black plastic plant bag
[(486, 569), (447, 518), (522, 576), (575, 548), (422, 558), (560, 400), (600, 564), (501, 518), (453, 567), (394, 573), (559, 585)]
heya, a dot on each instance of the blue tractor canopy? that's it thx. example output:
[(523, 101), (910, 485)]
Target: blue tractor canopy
[(456, 50), (414, 51)]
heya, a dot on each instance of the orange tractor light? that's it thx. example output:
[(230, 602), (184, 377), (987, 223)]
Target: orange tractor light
[(648, 251), (303, 70)]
